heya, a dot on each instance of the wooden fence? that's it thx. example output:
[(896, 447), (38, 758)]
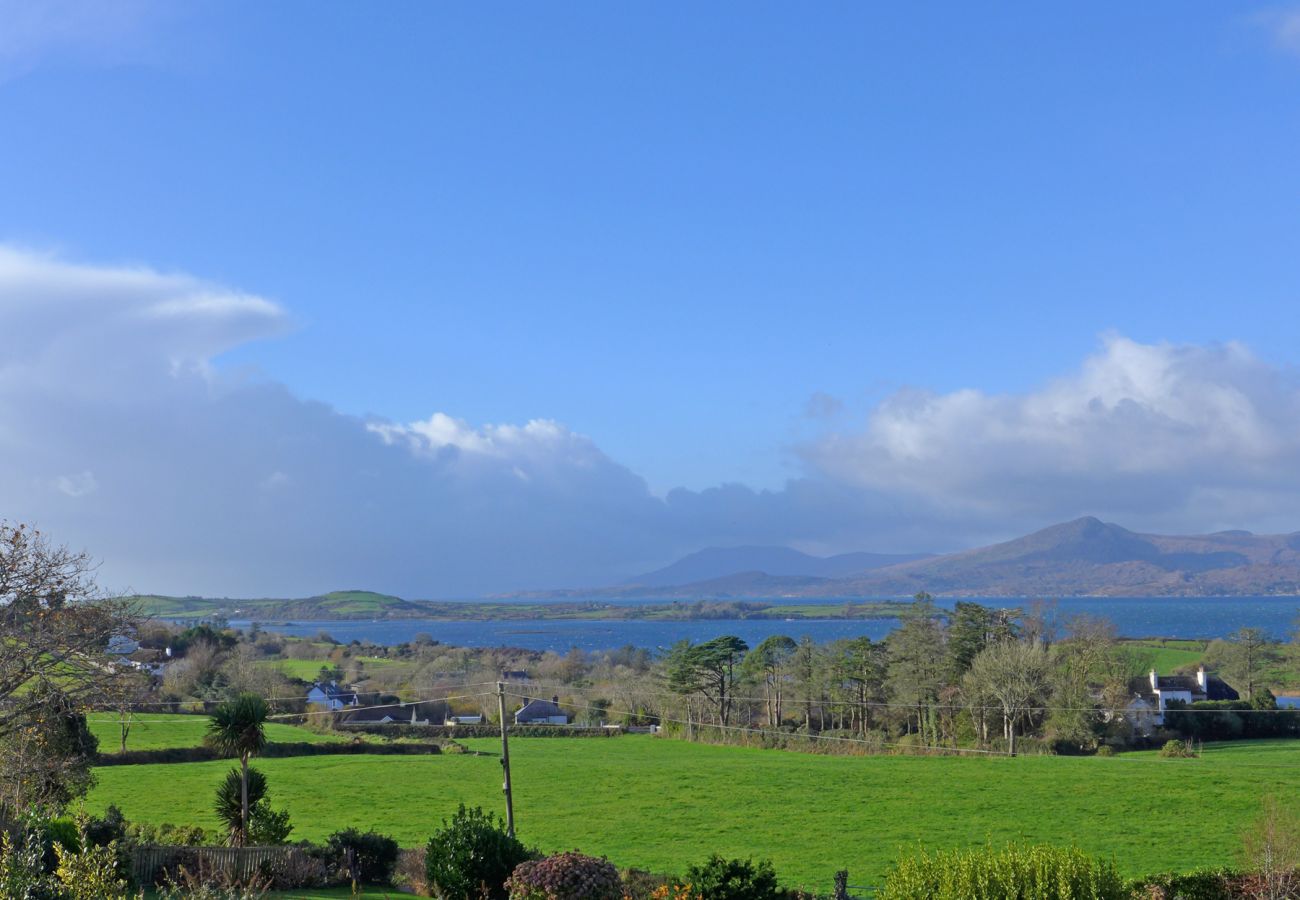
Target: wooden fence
[(149, 864)]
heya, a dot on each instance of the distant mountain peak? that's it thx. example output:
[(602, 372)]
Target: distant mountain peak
[(713, 563)]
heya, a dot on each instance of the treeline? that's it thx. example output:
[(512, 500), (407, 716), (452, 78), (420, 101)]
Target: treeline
[(973, 677), (1002, 680)]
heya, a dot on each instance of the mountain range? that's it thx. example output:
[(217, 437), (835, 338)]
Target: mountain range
[(721, 562), (1083, 557)]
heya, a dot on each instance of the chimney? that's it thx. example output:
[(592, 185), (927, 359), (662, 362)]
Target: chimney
[(1155, 682), (556, 699), (1200, 678)]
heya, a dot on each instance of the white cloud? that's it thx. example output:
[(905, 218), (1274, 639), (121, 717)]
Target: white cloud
[(95, 31), (1154, 433), (78, 485), (120, 435), (204, 483), (1284, 27)]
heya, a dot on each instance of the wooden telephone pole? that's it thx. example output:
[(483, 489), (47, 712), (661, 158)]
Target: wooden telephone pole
[(505, 760)]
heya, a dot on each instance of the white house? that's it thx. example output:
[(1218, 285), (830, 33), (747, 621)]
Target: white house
[(464, 720), (1151, 695), (541, 712), (331, 696)]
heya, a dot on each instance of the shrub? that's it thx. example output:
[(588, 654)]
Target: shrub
[(94, 866), (641, 885), (409, 874), (111, 827), (471, 857), (93, 874), (1176, 749), (299, 869), (267, 827), (565, 876), (1016, 871), (1105, 750), (733, 879), (373, 855), (201, 884), (1205, 884), (22, 866), (167, 835)]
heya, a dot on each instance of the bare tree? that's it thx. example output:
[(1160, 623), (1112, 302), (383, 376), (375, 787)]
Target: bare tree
[(54, 624), (1248, 653), (1015, 674), (55, 629), (124, 696), (1270, 848)]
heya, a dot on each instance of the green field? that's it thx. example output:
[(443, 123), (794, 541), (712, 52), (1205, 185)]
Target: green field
[(156, 731), (662, 804), (309, 669), (1166, 655)]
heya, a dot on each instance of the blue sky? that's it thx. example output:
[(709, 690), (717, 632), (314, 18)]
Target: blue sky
[(722, 245)]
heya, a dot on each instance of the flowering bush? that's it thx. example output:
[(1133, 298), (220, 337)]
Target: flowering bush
[(675, 892), (565, 876)]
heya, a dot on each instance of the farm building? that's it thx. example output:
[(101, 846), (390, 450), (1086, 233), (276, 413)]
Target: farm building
[(541, 712), (420, 713)]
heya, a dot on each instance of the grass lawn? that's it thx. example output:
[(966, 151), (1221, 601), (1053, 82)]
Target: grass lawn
[(309, 669), (661, 804), (1166, 655), (156, 731)]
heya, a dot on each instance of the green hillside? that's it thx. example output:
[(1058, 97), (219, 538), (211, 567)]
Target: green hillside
[(334, 605)]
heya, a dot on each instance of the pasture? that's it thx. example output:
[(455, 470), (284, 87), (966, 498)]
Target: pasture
[(157, 731), (662, 804), (1165, 654)]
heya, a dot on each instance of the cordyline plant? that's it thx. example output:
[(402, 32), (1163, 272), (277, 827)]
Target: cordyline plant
[(565, 876)]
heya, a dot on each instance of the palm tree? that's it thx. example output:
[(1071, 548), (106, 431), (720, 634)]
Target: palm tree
[(238, 728)]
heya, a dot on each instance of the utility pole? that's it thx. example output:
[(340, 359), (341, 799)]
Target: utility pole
[(505, 760)]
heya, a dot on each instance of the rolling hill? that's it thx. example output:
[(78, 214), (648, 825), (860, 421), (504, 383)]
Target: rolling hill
[(722, 562), (334, 605), (1084, 557)]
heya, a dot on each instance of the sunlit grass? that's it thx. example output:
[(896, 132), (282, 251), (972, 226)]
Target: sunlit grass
[(662, 804)]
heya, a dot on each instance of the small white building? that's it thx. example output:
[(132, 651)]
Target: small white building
[(464, 720)]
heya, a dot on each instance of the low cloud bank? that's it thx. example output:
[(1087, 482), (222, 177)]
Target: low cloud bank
[(120, 435)]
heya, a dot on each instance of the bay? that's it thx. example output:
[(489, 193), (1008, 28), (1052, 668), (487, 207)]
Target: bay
[(1171, 617)]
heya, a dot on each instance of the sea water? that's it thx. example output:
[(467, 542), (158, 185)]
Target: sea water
[(1180, 617)]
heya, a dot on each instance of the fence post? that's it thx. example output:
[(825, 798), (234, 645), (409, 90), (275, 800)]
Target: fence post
[(842, 884)]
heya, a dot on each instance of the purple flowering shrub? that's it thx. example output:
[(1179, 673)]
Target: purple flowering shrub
[(565, 876)]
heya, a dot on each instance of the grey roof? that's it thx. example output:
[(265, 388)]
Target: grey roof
[(1178, 683), (1218, 689), (428, 711), (539, 709)]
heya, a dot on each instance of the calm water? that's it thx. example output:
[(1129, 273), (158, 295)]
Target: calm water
[(1205, 617)]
